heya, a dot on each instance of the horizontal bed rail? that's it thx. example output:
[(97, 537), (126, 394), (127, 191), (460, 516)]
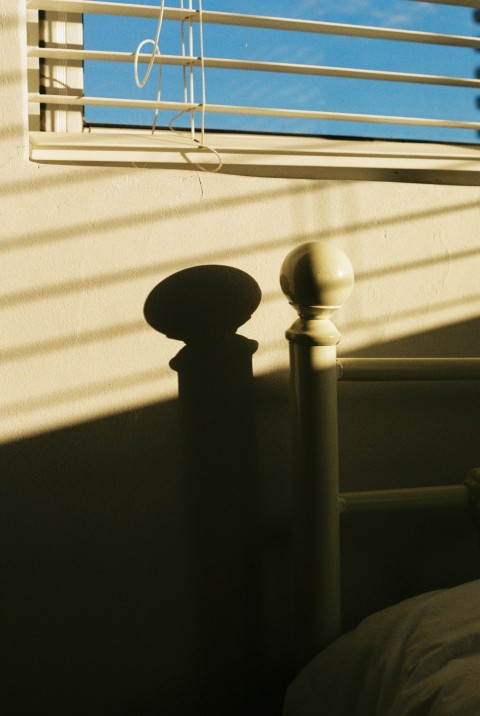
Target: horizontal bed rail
[(414, 498), (396, 369)]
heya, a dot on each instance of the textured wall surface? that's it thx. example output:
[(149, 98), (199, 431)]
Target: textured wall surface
[(146, 564)]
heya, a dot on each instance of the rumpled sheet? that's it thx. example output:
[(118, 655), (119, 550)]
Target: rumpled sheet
[(420, 657)]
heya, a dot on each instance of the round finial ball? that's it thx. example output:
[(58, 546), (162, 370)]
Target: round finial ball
[(317, 274)]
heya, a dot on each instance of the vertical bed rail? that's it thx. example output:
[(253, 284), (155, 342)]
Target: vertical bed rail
[(317, 278)]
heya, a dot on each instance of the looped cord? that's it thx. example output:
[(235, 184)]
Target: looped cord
[(155, 50), (201, 106)]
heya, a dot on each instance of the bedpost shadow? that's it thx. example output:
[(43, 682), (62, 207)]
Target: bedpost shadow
[(204, 306)]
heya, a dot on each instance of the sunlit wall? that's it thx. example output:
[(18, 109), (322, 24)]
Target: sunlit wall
[(83, 247)]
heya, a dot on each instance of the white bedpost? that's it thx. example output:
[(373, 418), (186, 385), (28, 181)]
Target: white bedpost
[(317, 278)]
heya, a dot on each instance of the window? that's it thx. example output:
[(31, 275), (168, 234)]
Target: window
[(365, 69)]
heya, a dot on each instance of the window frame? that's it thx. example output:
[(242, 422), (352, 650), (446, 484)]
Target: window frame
[(57, 135)]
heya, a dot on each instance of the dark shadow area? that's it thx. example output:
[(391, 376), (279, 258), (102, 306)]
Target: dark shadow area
[(131, 584), (392, 556), (144, 554), (203, 306), (145, 557), (406, 435), (458, 340), (96, 602), (409, 434)]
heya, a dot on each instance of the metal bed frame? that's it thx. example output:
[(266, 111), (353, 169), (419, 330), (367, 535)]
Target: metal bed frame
[(317, 278)]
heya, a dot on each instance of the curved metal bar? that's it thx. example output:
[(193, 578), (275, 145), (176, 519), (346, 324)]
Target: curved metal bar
[(384, 369), (415, 498)]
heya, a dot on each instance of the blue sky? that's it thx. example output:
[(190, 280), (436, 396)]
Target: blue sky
[(329, 94)]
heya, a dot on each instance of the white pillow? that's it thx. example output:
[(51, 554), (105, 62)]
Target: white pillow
[(420, 657)]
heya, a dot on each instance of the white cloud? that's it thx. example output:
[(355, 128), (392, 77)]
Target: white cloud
[(400, 13)]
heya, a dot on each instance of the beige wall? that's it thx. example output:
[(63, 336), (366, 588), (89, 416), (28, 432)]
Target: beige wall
[(82, 247)]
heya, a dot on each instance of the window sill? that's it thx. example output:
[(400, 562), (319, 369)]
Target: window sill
[(265, 155)]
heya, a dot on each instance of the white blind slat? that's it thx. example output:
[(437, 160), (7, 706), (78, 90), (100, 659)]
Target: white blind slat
[(259, 21), (474, 4), (255, 66), (255, 111)]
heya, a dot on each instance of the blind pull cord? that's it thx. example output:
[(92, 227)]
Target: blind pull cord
[(188, 86)]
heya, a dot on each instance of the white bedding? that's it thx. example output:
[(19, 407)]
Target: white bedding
[(419, 657)]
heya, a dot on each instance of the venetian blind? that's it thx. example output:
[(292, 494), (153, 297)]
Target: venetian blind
[(64, 54)]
